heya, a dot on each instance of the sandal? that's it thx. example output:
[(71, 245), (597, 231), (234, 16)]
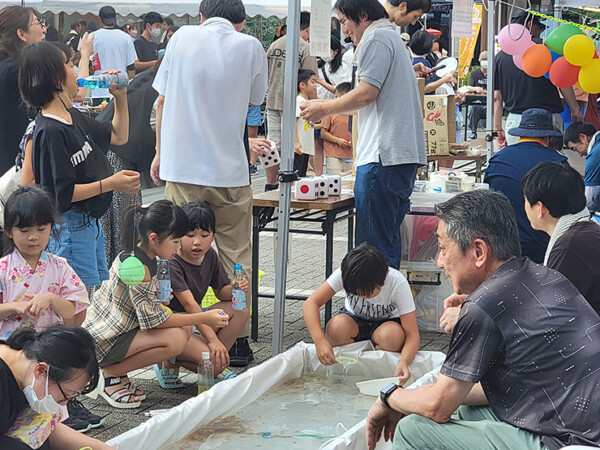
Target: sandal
[(225, 375), (121, 398), (141, 395), (168, 377)]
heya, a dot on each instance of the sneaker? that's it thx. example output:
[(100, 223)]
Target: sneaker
[(253, 169), (473, 136), (80, 418), (240, 354)]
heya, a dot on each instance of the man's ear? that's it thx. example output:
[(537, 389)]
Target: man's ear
[(543, 211), (481, 251), (239, 26)]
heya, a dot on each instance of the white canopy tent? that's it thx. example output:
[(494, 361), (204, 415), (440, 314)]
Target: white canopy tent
[(265, 8)]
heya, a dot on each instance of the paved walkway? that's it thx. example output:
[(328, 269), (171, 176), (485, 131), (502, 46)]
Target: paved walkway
[(306, 271)]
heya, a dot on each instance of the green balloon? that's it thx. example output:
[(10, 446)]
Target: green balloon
[(556, 40), (132, 271)]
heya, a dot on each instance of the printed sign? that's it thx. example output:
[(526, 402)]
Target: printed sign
[(320, 28)]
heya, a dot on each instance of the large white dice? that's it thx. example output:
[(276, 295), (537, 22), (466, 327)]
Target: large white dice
[(335, 184), (306, 189), (322, 186), (272, 158)]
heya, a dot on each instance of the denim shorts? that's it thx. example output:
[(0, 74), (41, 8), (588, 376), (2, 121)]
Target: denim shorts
[(254, 118), (81, 243)]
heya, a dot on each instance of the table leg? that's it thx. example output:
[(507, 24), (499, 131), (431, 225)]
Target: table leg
[(478, 165), (466, 120), (328, 229), (350, 232), (255, 243)]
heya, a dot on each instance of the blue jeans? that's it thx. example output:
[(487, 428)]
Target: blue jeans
[(382, 197)]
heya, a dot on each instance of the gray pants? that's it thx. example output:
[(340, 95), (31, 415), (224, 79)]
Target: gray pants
[(477, 428)]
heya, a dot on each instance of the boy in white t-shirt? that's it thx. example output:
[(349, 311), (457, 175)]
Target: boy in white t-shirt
[(304, 145), (379, 306)]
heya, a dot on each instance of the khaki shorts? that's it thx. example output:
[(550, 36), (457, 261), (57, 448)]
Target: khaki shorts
[(118, 351)]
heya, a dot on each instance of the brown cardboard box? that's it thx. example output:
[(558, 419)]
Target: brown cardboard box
[(421, 85), (439, 123)]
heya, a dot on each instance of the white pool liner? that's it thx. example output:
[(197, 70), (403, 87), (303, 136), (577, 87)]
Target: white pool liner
[(231, 395)]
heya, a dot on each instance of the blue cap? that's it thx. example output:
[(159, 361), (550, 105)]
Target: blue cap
[(237, 267)]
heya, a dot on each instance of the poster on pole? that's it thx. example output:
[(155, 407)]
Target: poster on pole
[(467, 45), (320, 28), (462, 14)]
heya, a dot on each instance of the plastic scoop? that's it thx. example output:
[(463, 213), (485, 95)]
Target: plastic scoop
[(346, 361), (372, 387)]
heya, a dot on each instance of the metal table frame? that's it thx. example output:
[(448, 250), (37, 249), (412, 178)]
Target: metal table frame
[(327, 219)]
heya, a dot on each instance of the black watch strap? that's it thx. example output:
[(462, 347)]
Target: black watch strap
[(386, 392)]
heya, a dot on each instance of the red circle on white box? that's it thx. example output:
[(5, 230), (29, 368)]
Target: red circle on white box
[(304, 189)]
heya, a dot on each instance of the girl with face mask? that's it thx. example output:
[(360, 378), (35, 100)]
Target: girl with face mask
[(39, 373)]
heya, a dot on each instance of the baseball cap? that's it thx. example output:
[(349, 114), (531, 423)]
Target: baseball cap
[(521, 17), (108, 15)]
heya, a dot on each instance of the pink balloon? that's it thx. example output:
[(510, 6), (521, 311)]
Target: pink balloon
[(518, 60), (514, 39)]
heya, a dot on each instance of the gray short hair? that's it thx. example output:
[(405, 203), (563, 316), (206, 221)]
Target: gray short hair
[(481, 214)]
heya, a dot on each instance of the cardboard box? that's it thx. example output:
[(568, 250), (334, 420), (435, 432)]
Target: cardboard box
[(421, 85), (439, 123)]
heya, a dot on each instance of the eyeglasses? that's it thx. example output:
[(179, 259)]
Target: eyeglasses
[(68, 398), (37, 22)]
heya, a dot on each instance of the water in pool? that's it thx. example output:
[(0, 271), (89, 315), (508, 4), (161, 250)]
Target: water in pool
[(300, 414)]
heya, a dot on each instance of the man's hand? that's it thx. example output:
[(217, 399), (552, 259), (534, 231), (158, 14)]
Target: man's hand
[(576, 115), (260, 146), (422, 71), (402, 371), (298, 148), (381, 419), (313, 110), (449, 319), (218, 353), (454, 300), (501, 139), (325, 353), (155, 170)]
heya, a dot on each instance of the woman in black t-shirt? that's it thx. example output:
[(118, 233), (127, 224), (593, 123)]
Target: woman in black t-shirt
[(68, 159), (18, 26), (39, 373)]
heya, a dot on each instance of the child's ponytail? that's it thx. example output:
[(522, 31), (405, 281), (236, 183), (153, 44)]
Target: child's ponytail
[(162, 217)]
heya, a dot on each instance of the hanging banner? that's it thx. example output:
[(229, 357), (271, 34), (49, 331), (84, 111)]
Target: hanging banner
[(320, 28), (462, 14), (467, 46)]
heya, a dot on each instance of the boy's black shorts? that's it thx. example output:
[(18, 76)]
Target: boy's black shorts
[(367, 327)]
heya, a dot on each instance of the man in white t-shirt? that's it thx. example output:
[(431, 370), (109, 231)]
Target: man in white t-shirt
[(114, 49), (379, 307), (209, 75)]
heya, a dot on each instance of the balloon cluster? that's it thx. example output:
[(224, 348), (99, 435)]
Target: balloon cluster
[(567, 57)]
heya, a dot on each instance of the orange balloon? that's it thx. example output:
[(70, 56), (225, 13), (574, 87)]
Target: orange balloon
[(563, 74), (537, 60)]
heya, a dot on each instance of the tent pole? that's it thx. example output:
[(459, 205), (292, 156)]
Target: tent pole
[(491, 48), (286, 170)]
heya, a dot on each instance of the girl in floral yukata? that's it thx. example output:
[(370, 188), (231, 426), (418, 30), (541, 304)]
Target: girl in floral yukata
[(37, 289)]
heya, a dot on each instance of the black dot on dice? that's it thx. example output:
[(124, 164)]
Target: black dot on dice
[(268, 157)]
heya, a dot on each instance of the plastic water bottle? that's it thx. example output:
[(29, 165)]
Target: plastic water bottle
[(206, 376), (104, 80), (239, 296), (164, 281)]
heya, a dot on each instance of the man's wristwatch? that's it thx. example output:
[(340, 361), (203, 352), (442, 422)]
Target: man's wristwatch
[(386, 392)]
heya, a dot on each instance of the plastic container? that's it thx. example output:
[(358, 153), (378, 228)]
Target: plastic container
[(163, 274), (429, 304), (206, 375), (373, 387), (104, 80), (238, 302)]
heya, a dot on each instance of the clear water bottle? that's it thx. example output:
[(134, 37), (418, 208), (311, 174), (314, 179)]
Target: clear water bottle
[(104, 80), (206, 376), (164, 281), (239, 296)]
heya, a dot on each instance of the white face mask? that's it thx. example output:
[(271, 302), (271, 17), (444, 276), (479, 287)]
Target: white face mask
[(155, 33), (484, 64), (43, 406), (327, 59), (133, 32)]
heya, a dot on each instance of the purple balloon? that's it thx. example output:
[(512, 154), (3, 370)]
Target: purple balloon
[(514, 39)]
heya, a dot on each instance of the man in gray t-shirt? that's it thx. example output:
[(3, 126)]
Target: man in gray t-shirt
[(391, 140), (524, 357)]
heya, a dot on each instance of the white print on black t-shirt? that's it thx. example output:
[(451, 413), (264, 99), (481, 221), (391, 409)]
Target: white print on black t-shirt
[(368, 309), (82, 154)]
